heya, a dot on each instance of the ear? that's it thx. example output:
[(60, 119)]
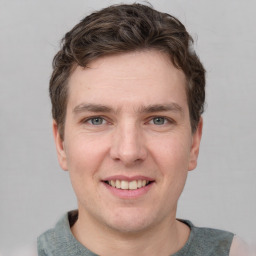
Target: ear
[(194, 151), (59, 143)]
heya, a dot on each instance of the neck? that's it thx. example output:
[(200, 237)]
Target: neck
[(165, 238)]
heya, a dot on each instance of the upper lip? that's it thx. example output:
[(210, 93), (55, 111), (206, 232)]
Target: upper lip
[(127, 178)]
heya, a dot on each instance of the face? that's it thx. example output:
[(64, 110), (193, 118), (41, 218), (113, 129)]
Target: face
[(128, 143)]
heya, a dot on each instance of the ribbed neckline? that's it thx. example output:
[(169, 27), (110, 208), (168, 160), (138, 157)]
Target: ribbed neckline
[(201, 241), (74, 247)]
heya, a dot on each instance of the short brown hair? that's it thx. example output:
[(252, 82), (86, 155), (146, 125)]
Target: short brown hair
[(124, 28)]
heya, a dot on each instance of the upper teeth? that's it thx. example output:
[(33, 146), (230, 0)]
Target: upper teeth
[(123, 184)]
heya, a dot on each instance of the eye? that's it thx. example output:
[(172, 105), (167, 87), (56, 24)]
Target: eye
[(159, 120), (96, 120)]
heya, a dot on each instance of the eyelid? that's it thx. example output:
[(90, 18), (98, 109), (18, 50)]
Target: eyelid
[(148, 120), (168, 119), (87, 119)]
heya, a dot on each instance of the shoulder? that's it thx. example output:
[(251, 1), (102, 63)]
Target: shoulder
[(50, 239), (60, 240), (215, 241), (46, 242), (208, 241), (212, 235)]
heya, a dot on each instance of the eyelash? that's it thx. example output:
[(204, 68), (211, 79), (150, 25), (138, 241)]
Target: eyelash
[(162, 118), (89, 120), (151, 119)]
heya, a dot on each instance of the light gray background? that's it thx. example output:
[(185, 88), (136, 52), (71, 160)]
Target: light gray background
[(34, 192)]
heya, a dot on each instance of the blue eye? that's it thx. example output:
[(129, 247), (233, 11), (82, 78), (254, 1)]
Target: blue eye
[(159, 120), (96, 120)]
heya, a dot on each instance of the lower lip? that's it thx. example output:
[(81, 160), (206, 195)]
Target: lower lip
[(128, 194)]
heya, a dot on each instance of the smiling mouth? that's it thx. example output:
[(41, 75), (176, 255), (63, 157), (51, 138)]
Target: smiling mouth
[(128, 185)]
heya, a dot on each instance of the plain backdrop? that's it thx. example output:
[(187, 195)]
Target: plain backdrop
[(35, 192)]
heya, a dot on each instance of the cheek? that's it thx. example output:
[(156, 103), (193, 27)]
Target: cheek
[(83, 160), (82, 155), (172, 154), (175, 167), (85, 155)]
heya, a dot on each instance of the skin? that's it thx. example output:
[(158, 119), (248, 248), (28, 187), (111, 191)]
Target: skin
[(142, 128)]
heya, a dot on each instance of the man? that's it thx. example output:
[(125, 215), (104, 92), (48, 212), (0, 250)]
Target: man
[(127, 94)]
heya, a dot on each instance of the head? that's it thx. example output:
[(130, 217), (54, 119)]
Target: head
[(123, 29), (127, 94)]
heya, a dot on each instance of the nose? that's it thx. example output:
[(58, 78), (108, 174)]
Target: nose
[(128, 145)]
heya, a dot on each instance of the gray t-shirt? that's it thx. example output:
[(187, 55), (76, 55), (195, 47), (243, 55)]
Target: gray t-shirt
[(202, 241)]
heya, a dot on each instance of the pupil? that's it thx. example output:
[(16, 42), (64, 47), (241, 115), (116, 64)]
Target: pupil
[(158, 120), (97, 121)]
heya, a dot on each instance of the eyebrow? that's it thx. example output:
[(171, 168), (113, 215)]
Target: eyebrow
[(91, 108), (97, 108), (174, 107)]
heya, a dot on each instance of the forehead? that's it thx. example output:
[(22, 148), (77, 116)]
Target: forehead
[(135, 78)]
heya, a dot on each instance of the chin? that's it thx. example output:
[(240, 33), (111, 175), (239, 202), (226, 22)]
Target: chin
[(130, 221), (128, 227)]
